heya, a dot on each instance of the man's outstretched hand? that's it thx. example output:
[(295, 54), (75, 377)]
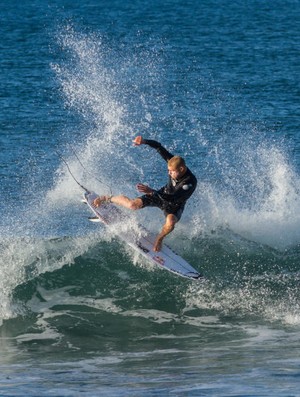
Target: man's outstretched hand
[(138, 140), (144, 188)]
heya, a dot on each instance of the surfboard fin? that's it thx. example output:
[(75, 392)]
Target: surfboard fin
[(94, 219)]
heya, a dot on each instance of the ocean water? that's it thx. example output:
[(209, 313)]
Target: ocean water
[(214, 81)]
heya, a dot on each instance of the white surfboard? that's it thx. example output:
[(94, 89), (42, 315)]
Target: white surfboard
[(142, 240)]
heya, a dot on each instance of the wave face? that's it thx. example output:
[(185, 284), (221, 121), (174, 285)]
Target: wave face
[(97, 271)]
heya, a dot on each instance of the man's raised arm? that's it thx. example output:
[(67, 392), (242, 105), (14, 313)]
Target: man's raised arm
[(155, 145)]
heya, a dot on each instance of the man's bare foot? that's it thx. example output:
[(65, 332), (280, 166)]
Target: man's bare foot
[(100, 200), (157, 245)]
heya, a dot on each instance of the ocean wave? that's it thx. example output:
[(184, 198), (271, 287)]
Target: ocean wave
[(242, 279)]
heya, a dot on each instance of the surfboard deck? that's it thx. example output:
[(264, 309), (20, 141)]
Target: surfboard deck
[(141, 240)]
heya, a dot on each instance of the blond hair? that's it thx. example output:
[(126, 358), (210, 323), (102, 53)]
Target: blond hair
[(176, 162)]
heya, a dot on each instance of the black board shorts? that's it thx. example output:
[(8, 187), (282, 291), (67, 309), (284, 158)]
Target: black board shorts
[(156, 201)]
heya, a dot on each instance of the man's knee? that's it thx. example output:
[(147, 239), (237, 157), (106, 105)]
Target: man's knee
[(135, 204), (171, 220)]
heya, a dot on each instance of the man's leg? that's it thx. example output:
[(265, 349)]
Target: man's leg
[(132, 204), (136, 204), (169, 225)]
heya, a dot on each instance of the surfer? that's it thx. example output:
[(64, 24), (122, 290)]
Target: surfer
[(171, 198)]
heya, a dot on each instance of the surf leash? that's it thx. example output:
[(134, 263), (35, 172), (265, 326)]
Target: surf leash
[(70, 172), (93, 176)]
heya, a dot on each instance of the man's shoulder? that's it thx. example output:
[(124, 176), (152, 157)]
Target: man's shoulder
[(191, 176)]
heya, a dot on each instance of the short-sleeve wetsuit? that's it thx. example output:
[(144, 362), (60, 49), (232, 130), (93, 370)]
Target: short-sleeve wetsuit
[(172, 197)]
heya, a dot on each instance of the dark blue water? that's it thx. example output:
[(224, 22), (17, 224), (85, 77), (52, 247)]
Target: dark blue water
[(217, 83)]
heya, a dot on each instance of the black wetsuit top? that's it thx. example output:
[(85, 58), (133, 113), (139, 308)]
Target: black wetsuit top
[(172, 197)]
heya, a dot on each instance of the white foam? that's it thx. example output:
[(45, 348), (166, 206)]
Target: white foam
[(272, 217)]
